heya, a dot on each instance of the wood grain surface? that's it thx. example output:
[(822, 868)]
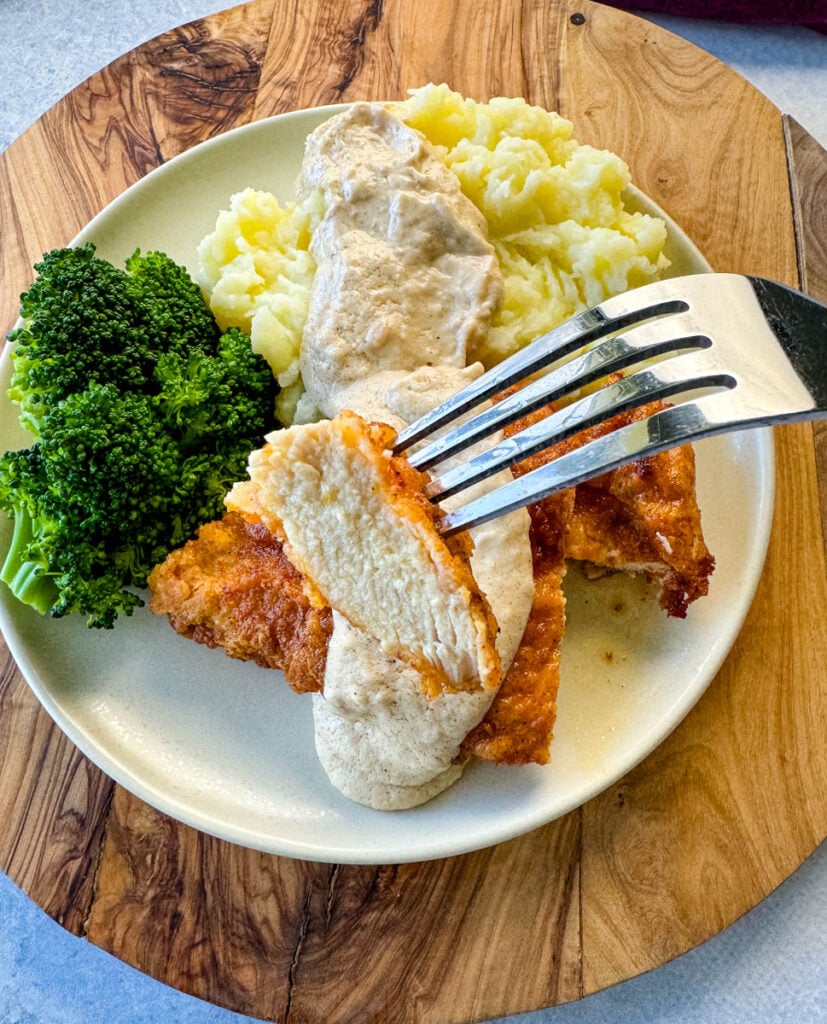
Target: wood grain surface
[(713, 820)]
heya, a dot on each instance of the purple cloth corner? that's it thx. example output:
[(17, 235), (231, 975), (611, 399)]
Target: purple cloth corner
[(809, 13)]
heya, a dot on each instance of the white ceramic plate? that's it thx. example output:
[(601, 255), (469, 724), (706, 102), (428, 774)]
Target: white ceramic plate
[(227, 747)]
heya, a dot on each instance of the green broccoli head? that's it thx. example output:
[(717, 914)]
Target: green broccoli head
[(86, 501), (109, 465), (144, 414), (51, 565), (104, 496), (172, 307), (86, 321), (80, 327), (26, 569), (220, 397)]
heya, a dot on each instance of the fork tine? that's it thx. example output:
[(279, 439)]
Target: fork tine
[(592, 324), (682, 373), (767, 360), (664, 429), (653, 338)]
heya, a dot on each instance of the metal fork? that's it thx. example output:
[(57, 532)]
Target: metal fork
[(727, 351)]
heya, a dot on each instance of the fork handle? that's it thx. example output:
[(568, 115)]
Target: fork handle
[(800, 324)]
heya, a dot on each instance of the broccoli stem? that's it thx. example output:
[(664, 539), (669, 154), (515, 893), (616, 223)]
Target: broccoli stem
[(26, 578)]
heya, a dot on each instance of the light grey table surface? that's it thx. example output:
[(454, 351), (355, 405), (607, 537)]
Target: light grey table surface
[(768, 968)]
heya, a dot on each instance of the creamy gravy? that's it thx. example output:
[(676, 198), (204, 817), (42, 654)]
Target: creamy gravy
[(405, 274), (406, 280)]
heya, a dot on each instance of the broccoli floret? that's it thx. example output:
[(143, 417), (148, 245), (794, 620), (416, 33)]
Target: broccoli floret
[(80, 327), (176, 315), (86, 500), (86, 321), (200, 395), (143, 420)]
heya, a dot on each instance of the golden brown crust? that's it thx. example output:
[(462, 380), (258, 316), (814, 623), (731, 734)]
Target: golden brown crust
[(518, 726), (233, 587)]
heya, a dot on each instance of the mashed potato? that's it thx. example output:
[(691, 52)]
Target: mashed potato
[(257, 272), (554, 211)]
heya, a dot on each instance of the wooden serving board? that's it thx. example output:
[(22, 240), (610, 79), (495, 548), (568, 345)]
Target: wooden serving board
[(701, 831)]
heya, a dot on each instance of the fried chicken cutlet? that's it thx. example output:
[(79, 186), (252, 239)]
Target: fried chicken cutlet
[(233, 587), (641, 517), (355, 522)]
